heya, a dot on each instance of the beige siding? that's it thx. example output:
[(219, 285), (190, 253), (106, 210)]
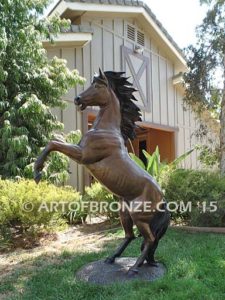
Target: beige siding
[(163, 92), (96, 49), (186, 122), (156, 99), (180, 124), (171, 96)]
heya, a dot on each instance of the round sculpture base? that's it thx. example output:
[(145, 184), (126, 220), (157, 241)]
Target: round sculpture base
[(99, 272)]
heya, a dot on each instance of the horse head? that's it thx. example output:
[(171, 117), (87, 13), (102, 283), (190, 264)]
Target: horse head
[(98, 94)]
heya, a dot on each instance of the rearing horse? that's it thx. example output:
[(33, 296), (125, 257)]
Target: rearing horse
[(103, 152)]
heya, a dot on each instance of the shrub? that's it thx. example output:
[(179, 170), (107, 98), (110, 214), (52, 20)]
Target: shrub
[(27, 207), (97, 193), (204, 190)]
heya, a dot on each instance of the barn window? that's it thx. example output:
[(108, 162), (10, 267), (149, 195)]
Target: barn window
[(140, 38), (131, 32), (135, 35)]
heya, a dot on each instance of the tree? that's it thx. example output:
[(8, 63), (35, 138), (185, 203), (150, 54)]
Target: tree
[(30, 84), (206, 61)]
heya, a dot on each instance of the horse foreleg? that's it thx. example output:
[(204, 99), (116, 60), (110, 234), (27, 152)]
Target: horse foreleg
[(127, 224), (72, 151)]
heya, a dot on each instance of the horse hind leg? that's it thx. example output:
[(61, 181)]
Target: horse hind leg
[(151, 231), (127, 224), (159, 227), (148, 243), (150, 256)]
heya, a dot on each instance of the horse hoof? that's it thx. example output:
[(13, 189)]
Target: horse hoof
[(37, 178), (153, 264), (109, 260), (132, 272)]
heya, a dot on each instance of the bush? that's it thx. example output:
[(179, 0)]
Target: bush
[(204, 190), (97, 193), (29, 208)]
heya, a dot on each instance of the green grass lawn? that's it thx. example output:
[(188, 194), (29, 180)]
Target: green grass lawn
[(195, 262)]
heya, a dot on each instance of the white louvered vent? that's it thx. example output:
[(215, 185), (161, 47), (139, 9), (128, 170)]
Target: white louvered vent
[(131, 32), (140, 38), (135, 35)]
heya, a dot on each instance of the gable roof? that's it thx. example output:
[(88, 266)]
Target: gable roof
[(136, 7)]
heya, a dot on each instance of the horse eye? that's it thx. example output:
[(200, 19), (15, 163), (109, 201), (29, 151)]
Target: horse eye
[(96, 85)]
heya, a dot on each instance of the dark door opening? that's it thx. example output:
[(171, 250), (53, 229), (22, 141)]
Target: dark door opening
[(142, 146), (149, 138)]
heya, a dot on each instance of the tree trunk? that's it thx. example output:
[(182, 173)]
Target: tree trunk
[(222, 125)]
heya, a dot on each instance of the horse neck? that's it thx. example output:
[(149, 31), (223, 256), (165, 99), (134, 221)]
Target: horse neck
[(109, 116)]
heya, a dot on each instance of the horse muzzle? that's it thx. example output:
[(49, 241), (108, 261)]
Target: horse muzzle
[(78, 102)]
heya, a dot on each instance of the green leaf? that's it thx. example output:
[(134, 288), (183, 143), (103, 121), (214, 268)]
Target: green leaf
[(181, 158), (150, 161), (138, 161)]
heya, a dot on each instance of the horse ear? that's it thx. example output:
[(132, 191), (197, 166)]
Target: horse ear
[(102, 75)]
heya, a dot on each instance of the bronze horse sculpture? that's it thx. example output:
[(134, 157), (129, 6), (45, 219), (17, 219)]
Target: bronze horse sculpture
[(103, 152)]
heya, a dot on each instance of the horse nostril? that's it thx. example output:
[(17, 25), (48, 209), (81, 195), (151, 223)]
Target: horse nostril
[(77, 99)]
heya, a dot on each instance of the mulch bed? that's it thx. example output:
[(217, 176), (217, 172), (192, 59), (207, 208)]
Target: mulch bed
[(220, 230)]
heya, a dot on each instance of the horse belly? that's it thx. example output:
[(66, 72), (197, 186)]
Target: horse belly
[(119, 177)]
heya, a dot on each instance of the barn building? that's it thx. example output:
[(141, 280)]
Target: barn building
[(124, 35)]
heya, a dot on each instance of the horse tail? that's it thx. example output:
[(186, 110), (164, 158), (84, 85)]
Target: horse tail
[(160, 222)]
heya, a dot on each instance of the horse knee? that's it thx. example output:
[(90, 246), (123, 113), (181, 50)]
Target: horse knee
[(145, 231), (50, 146)]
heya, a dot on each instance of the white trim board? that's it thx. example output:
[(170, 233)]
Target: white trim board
[(69, 39)]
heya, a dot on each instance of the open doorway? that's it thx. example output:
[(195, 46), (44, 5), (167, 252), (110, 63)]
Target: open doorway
[(149, 138)]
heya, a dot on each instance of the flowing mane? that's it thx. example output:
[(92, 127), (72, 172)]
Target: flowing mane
[(130, 112)]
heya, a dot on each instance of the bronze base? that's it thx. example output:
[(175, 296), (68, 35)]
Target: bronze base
[(101, 273)]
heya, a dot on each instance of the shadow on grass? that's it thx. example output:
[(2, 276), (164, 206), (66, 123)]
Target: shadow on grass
[(195, 262)]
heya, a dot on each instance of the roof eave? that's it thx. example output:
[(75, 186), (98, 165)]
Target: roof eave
[(62, 6), (68, 39)]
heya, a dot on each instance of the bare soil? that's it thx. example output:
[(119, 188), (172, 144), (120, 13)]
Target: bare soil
[(80, 238)]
